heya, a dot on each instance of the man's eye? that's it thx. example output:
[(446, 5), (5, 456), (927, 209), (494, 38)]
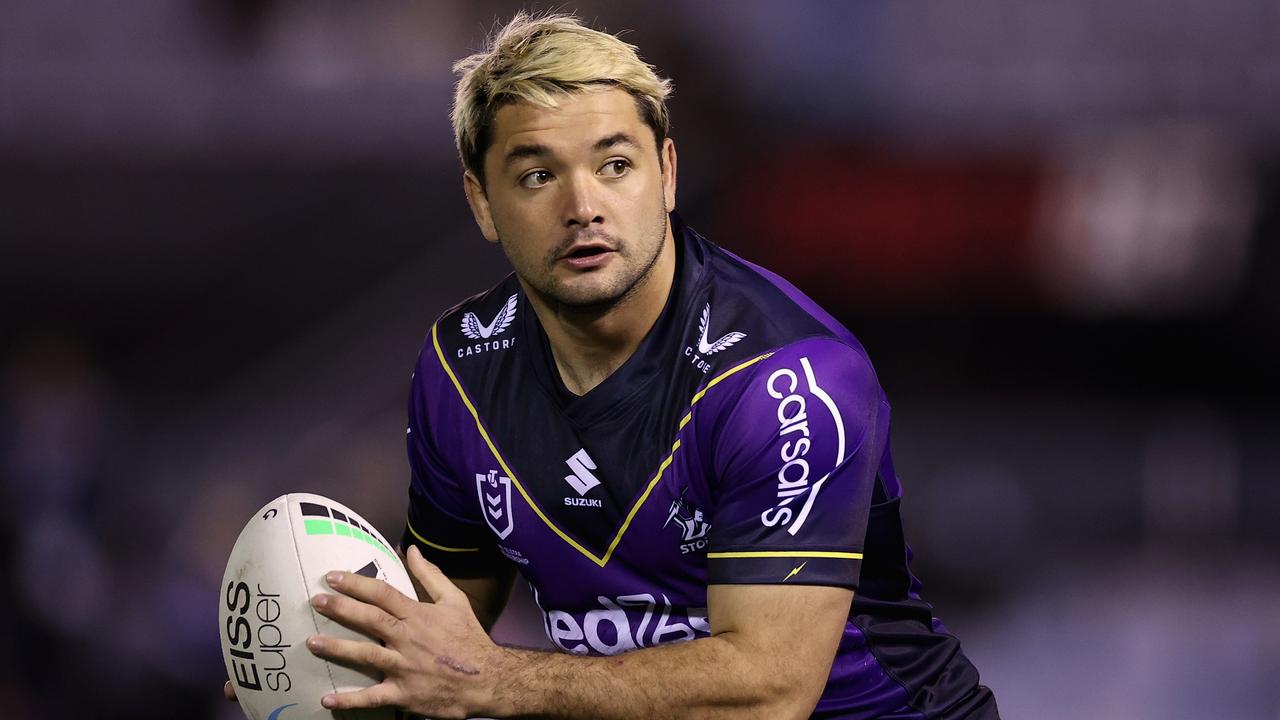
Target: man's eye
[(536, 179), (615, 168)]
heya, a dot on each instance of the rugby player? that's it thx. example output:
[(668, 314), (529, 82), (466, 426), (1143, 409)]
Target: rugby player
[(685, 457)]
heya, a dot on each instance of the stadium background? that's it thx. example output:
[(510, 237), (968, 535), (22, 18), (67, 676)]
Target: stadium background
[(225, 226)]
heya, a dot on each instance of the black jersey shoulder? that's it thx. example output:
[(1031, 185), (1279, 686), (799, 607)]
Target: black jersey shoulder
[(479, 328), (768, 312)]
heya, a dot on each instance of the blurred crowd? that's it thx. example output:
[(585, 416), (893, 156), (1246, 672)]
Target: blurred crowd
[(226, 226)]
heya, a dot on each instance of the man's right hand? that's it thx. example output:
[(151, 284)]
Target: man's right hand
[(228, 691)]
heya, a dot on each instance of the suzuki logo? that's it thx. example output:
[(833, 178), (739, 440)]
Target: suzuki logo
[(582, 478)]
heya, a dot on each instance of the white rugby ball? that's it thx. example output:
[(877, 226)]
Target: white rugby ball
[(264, 610)]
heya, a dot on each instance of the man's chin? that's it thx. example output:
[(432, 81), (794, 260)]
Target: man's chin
[(586, 298), (598, 303)]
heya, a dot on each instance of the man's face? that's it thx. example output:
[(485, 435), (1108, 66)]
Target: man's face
[(576, 196)]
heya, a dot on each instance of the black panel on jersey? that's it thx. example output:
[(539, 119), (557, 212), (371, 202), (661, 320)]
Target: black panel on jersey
[(939, 680), (628, 422)]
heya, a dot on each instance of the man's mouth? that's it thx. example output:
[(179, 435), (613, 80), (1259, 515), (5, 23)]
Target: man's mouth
[(587, 255), (588, 251)]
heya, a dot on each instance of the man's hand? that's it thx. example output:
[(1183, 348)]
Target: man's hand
[(437, 660)]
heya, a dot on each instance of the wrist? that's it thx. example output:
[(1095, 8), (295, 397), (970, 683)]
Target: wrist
[(492, 694)]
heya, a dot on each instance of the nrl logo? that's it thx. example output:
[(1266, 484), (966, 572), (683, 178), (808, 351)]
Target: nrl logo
[(472, 327), (495, 499), (705, 347)]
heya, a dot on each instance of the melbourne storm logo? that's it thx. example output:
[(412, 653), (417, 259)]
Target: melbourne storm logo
[(706, 347), (693, 527), (475, 330)]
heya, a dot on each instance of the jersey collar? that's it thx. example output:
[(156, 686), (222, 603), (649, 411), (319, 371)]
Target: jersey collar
[(651, 358)]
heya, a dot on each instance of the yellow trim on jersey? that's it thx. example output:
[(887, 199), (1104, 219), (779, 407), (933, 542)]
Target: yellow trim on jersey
[(676, 446), (788, 554), (601, 561), (435, 340), (640, 503), (715, 381), (437, 546)]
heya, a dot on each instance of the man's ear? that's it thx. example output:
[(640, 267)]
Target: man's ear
[(669, 173), (479, 202)]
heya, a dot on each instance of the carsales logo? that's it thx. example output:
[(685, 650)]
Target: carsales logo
[(795, 440)]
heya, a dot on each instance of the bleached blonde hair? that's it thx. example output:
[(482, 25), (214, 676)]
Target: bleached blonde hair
[(540, 59)]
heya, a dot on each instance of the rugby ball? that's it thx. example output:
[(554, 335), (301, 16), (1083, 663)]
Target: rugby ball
[(264, 610)]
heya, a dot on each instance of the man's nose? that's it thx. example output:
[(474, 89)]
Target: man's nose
[(582, 202)]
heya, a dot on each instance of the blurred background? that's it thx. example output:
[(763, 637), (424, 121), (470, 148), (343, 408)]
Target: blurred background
[(226, 226)]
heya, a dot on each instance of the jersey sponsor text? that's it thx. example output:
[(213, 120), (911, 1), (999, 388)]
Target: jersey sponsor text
[(477, 348), (796, 441), (623, 623)]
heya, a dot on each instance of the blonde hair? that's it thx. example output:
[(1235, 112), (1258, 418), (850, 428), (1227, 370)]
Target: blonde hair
[(540, 59)]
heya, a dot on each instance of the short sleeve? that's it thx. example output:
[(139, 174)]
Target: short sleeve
[(443, 519), (795, 457)]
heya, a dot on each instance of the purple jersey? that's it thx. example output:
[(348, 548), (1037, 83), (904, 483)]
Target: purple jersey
[(745, 441)]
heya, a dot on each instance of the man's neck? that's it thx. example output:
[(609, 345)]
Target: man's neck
[(589, 345)]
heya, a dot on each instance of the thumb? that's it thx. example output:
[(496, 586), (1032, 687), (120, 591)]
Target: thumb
[(428, 576)]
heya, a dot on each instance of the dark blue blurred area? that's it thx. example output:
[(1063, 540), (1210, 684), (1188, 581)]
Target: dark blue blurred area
[(226, 226)]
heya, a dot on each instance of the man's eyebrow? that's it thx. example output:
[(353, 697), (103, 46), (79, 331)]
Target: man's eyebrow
[(525, 151), (535, 150), (618, 138)]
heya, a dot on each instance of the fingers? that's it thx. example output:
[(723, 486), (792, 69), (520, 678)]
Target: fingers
[(373, 696), (228, 691), (360, 653), (357, 615), (434, 582), (372, 591)]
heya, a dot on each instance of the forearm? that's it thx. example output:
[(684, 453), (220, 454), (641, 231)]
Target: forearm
[(706, 678), (768, 656)]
